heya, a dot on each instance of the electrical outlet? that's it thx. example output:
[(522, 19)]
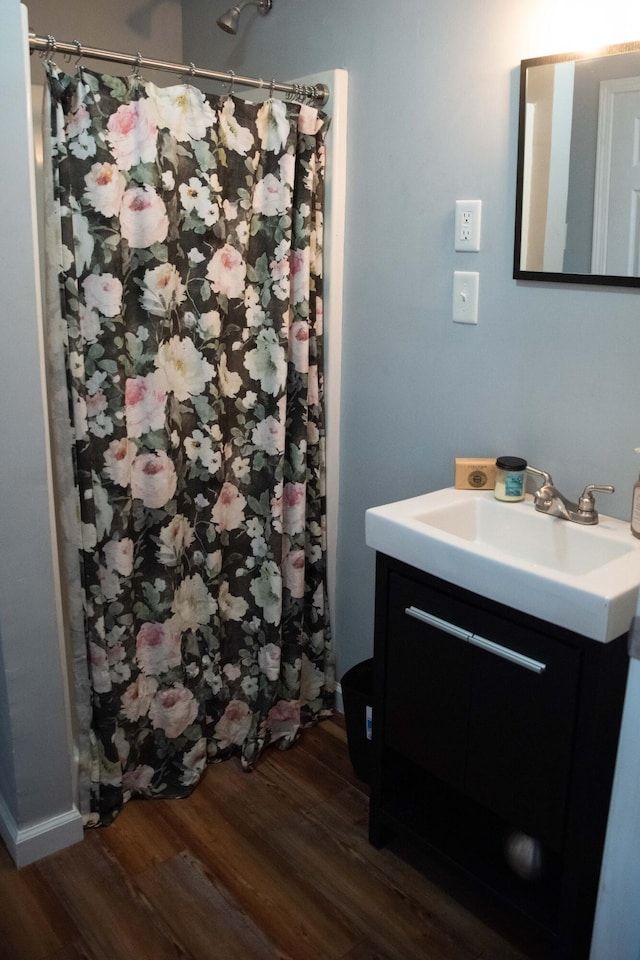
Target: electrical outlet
[(467, 227)]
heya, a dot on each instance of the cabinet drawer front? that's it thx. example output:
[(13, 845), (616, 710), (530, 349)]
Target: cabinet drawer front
[(483, 703), (427, 686), (521, 734)]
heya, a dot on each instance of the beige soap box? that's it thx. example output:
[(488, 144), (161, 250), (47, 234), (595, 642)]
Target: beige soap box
[(475, 473)]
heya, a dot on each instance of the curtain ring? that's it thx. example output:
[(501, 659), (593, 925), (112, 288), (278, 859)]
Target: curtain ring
[(231, 81), (136, 67), (192, 70), (78, 47), (271, 86), (49, 51)]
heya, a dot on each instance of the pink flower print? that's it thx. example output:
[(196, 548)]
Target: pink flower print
[(299, 345), (293, 568), (144, 405), (99, 666), (227, 272), (159, 646), (228, 512), (153, 479), (105, 185), (132, 134), (294, 507), (103, 292), (118, 458), (143, 217), (299, 264), (173, 710), (234, 725), (284, 720), (138, 779), (137, 698)]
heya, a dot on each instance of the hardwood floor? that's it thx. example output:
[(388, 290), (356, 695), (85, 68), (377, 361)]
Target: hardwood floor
[(271, 864)]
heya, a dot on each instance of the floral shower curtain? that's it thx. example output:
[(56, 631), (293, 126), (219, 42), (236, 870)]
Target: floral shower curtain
[(186, 233)]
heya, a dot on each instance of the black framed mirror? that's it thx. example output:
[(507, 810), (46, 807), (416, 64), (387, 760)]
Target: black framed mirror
[(578, 178)]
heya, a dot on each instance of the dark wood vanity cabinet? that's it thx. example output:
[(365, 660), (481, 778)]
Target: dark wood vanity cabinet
[(488, 722)]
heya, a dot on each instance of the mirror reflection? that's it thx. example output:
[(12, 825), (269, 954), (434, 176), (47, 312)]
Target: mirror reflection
[(578, 193)]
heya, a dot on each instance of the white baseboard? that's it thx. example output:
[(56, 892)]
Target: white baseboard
[(28, 844)]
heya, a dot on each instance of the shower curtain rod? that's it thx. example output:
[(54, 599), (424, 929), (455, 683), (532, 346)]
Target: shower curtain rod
[(317, 93)]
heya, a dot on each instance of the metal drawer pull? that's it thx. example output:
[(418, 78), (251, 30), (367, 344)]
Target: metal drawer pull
[(489, 645), (518, 658), (438, 623)]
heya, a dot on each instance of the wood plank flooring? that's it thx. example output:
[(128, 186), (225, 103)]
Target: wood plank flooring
[(271, 865)]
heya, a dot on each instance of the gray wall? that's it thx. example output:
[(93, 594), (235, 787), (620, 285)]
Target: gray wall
[(550, 372), (153, 27)]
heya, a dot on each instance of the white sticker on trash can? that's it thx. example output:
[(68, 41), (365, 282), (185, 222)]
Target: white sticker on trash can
[(368, 721)]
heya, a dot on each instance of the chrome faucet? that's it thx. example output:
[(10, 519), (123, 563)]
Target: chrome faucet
[(547, 499)]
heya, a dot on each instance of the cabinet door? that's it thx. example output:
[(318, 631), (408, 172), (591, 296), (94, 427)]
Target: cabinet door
[(521, 728), (427, 686)]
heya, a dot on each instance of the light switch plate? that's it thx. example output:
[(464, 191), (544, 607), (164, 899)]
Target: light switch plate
[(465, 296)]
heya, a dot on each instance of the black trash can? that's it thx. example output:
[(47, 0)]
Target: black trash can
[(357, 698)]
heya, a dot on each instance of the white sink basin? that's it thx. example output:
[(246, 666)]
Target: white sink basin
[(582, 578)]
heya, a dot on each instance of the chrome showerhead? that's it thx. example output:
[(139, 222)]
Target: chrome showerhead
[(229, 20)]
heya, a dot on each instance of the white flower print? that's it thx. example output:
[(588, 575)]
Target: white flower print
[(210, 323), (267, 591), (235, 137), (192, 603), (231, 608), (268, 435), (182, 109), (267, 363), (184, 369), (199, 447), (230, 382), (273, 125), (119, 556), (194, 762), (174, 540), (269, 660), (196, 196), (270, 196), (84, 242), (163, 290), (105, 186)]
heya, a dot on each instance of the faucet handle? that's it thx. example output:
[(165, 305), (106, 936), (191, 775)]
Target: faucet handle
[(587, 502), (545, 477)]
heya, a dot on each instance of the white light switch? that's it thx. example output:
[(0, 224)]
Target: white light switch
[(465, 296), (468, 216)]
